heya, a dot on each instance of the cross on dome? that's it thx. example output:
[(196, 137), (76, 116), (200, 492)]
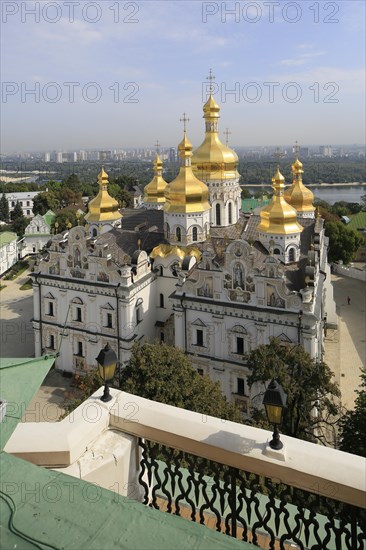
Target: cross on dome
[(184, 120), (210, 77)]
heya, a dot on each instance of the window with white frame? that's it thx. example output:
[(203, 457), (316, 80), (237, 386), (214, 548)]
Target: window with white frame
[(199, 333), (238, 340), (51, 341), (240, 386), (138, 311), (78, 310)]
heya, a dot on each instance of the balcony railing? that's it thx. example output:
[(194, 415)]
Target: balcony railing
[(217, 473), (245, 505)]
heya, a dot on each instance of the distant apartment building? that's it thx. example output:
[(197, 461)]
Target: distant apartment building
[(173, 155), (83, 155), (47, 157), (25, 200), (325, 150)]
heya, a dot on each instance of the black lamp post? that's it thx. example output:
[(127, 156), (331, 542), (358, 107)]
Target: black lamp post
[(107, 362), (275, 400)]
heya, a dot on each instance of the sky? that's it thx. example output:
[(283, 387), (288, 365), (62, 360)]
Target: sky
[(119, 74)]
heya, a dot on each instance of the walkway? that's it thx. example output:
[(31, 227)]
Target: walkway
[(345, 348)]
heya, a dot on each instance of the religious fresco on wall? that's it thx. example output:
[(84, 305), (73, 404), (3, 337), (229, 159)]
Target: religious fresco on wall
[(103, 277), (239, 286), (239, 295), (206, 289), (77, 257), (238, 276), (54, 269), (273, 298)]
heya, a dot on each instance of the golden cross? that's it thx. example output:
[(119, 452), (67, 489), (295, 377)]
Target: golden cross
[(227, 134), (210, 77), (297, 150), (157, 145), (184, 120)]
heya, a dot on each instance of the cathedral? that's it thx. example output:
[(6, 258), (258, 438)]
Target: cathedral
[(189, 269)]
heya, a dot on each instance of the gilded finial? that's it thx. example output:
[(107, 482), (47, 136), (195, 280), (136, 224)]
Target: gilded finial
[(139, 244), (227, 134), (56, 227), (68, 224), (210, 77), (184, 120), (157, 145), (297, 150)]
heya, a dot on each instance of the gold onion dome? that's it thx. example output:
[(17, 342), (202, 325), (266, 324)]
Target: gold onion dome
[(278, 217), (299, 196), (213, 160), (154, 191), (103, 207), (186, 193)]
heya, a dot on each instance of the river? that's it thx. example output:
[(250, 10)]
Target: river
[(328, 193)]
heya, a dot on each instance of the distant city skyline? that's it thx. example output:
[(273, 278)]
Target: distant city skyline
[(122, 73)]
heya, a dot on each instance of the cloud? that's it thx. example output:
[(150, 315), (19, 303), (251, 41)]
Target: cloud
[(303, 58)]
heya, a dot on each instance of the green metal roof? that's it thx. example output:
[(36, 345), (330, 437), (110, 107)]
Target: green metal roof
[(48, 217), (19, 381), (7, 237), (247, 205), (47, 509), (357, 221)]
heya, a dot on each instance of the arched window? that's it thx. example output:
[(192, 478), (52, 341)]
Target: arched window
[(94, 232), (194, 234), (167, 230), (291, 255), (178, 233), (276, 251), (230, 213), (218, 214), (161, 300)]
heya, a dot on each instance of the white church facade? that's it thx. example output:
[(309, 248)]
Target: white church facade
[(188, 269)]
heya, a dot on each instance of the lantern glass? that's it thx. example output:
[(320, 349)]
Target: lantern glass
[(107, 372), (274, 414)]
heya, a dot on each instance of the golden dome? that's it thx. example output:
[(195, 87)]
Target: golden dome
[(212, 160), (299, 196), (278, 217), (154, 191), (164, 250), (103, 207), (186, 193)]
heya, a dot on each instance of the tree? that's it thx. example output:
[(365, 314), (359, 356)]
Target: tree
[(245, 194), (343, 242), (164, 374), (64, 218), (45, 201), (17, 212), (73, 182), (352, 426), (19, 220), (68, 197), (4, 208), (312, 406), (363, 202)]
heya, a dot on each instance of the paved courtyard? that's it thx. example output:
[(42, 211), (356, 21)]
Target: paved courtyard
[(16, 331), (345, 348)]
